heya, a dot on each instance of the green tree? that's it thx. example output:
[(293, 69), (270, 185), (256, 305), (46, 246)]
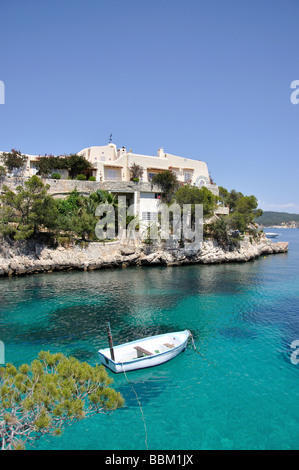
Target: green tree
[(218, 230), (77, 213), (168, 184), (104, 197), (47, 163), (76, 164), (48, 395), (71, 203), (188, 194), (246, 205), (83, 224), (233, 199), (224, 195), (13, 159), (26, 210), (237, 221)]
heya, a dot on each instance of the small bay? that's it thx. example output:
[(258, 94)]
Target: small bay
[(241, 392)]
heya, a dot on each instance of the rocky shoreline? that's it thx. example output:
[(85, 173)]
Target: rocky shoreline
[(31, 257)]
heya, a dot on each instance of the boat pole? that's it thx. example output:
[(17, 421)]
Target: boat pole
[(110, 341)]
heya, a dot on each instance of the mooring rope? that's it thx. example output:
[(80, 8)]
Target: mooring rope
[(193, 343), (142, 414)]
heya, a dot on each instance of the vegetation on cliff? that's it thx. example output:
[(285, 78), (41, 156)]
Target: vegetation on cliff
[(30, 210), (242, 213)]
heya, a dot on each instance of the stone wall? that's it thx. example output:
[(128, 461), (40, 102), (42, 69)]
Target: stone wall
[(221, 211), (61, 188)]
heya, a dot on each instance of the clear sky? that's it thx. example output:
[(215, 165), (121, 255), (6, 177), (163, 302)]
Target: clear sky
[(206, 79)]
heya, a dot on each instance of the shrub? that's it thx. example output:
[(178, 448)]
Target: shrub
[(81, 178), (56, 176), (92, 178), (13, 159), (168, 183), (136, 172)]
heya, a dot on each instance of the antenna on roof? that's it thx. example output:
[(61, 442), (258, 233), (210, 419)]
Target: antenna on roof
[(110, 139)]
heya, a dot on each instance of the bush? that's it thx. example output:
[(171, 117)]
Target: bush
[(136, 172), (168, 183), (75, 164), (13, 159), (56, 176), (81, 178), (193, 195), (92, 178)]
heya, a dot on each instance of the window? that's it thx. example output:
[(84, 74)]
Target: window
[(150, 216), (111, 174), (187, 176), (150, 175)]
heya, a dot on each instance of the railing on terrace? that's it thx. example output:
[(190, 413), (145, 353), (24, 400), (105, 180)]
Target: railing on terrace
[(116, 178)]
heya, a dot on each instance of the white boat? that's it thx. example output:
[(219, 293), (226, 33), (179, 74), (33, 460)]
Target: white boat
[(145, 352), (271, 235)]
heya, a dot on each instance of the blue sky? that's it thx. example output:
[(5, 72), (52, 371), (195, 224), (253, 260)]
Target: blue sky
[(206, 79)]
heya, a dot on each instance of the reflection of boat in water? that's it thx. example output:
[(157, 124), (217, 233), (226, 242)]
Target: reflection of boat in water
[(145, 352), (271, 235)]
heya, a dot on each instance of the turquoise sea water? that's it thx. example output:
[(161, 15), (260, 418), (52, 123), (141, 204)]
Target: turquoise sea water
[(242, 394)]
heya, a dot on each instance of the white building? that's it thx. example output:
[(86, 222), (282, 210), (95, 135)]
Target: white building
[(111, 168), (112, 164)]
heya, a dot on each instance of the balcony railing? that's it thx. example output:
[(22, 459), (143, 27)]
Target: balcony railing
[(112, 178)]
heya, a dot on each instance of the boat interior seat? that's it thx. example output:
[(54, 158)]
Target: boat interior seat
[(142, 352), (169, 345)]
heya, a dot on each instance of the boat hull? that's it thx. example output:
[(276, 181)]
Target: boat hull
[(153, 360)]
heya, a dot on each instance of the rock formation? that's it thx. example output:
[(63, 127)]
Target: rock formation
[(29, 257)]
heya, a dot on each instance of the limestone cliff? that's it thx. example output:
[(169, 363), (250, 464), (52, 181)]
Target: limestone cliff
[(18, 258)]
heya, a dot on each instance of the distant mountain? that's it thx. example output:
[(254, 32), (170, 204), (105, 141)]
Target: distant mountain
[(277, 218)]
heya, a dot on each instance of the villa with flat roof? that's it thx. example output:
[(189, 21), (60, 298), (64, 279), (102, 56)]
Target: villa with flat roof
[(111, 169), (112, 164)]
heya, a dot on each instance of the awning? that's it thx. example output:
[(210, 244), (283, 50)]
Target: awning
[(111, 165)]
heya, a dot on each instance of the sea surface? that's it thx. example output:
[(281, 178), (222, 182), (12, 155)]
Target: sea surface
[(240, 392)]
